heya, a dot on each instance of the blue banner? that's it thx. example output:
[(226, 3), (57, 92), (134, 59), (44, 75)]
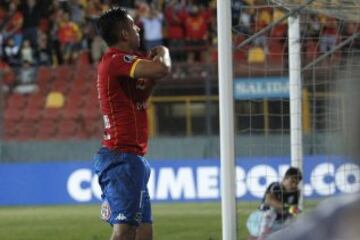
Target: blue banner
[(260, 88), (188, 180)]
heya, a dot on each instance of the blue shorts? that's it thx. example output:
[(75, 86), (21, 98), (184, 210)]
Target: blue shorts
[(123, 179)]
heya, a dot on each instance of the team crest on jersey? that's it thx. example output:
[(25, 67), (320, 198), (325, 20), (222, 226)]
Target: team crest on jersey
[(129, 58), (105, 211)]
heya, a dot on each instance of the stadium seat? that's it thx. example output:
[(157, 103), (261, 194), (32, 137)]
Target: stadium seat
[(311, 50), (55, 100), (10, 130), (36, 101), (44, 76), (44, 73), (93, 128), (67, 130), (26, 130), (32, 114), (239, 55), (278, 32), (53, 114), (276, 50), (75, 99), (63, 72), (60, 85), (256, 55), (13, 115), (17, 101), (72, 111), (9, 77), (46, 129)]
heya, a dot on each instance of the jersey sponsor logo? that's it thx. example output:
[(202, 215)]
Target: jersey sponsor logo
[(121, 217), (129, 58), (105, 211)]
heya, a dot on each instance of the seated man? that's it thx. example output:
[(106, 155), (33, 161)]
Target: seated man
[(279, 204)]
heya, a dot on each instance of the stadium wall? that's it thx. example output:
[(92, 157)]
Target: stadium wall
[(170, 148)]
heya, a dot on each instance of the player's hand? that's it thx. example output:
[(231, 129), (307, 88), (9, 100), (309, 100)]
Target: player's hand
[(294, 210), (157, 52)]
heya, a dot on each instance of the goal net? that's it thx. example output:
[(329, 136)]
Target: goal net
[(329, 55)]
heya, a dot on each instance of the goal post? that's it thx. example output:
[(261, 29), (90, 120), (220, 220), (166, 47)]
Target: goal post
[(226, 105)]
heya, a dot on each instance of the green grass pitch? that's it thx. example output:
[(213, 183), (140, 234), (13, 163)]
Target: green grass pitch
[(189, 221)]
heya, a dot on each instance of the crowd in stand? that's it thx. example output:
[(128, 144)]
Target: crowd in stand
[(54, 32)]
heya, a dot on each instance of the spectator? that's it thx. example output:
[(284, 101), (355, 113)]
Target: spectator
[(328, 37), (197, 32), (11, 53), (6, 76), (77, 12), (26, 78), (98, 47), (174, 18), (27, 53), (31, 12), (27, 73), (44, 51), (93, 9), (236, 9), (12, 24), (245, 21), (56, 16), (69, 36), (152, 25), (314, 27)]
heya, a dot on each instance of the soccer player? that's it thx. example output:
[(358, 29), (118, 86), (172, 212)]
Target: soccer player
[(125, 80), (280, 202)]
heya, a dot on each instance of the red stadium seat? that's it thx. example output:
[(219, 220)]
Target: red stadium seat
[(44, 78), (311, 50), (276, 50), (9, 77), (26, 130), (68, 130), (46, 129), (63, 73), (36, 101), (33, 114), (60, 85), (17, 101), (13, 115), (72, 112), (10, 130), (44, 74), (93, 128), (53, 114), (75, 99)]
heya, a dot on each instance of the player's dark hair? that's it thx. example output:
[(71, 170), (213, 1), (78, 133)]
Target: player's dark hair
[(109, 24), (294, 172)]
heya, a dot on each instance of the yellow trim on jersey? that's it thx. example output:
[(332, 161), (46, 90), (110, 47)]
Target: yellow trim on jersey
[(132, 70)]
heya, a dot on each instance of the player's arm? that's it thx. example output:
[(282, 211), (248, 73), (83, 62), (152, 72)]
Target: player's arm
[(273, 202), (158, 67)]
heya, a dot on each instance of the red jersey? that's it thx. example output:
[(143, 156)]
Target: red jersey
[(123, 102)]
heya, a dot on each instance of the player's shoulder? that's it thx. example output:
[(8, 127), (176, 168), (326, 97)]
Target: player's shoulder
[(274, 187)]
